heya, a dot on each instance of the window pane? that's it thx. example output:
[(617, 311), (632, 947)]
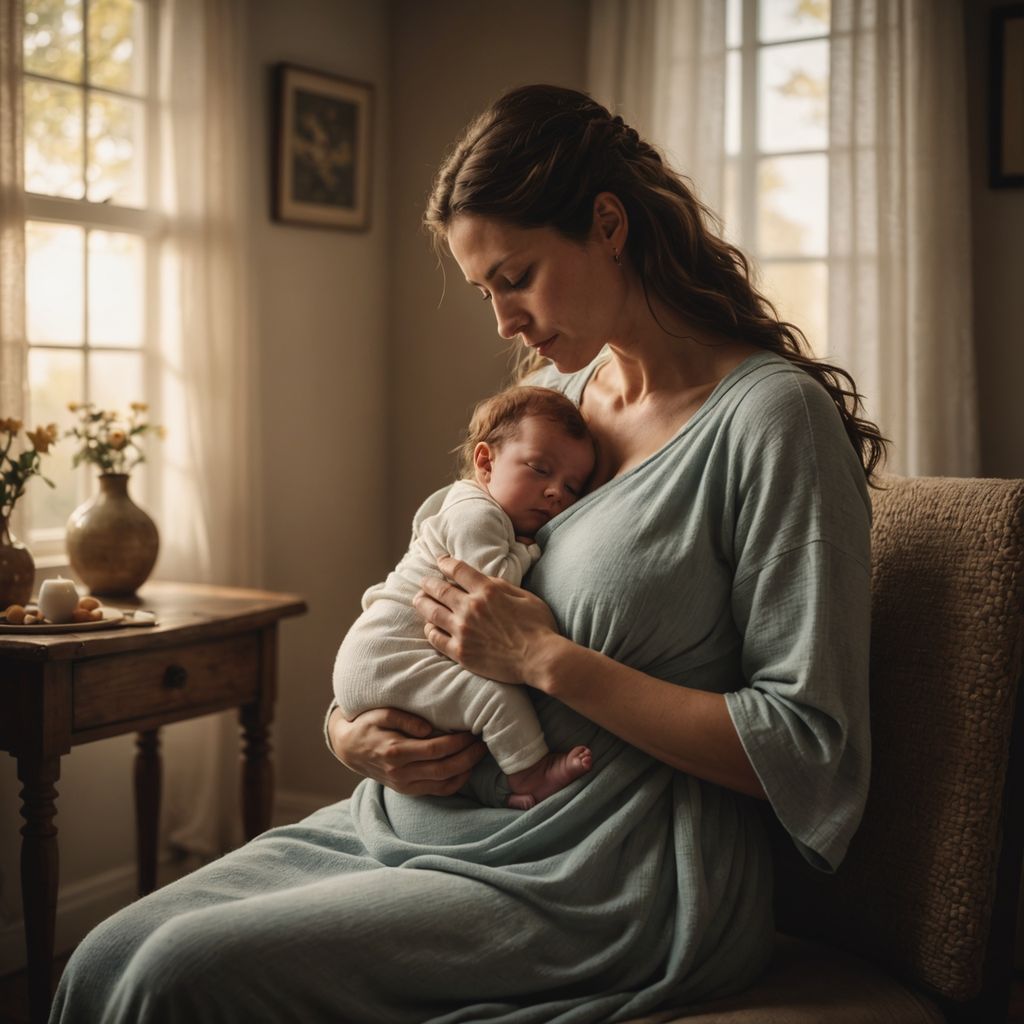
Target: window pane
[(116, 150), (794, 97), (116, 50), (793, 19), (800, 294), (116, 282), (792, 206), (53, 38), (54, 283), (53, 139), (55, 379), (115, 380), (733, 102)]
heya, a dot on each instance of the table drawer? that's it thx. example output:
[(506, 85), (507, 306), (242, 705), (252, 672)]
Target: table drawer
[(135, 684)]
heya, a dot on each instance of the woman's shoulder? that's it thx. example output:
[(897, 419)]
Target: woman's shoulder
[(770, 393)]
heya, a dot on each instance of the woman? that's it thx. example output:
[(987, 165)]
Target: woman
[(699, 620)]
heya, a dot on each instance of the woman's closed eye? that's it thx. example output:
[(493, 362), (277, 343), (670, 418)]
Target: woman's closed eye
[(518, 284), (522, 281)]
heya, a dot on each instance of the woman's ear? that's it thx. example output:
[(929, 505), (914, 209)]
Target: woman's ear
[(482, 459), (610, 225)]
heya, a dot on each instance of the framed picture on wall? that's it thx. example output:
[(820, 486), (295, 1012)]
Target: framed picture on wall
[(322, 149), (1006, 100)]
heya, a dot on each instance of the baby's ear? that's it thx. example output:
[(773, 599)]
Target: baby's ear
[(482, 459)]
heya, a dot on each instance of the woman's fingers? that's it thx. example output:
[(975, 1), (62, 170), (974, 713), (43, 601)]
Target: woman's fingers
[(458, 762), (431, 606), (461, 572), (438, 777), (403, 721)]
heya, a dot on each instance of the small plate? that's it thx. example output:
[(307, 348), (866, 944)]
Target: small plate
[(111, 616)]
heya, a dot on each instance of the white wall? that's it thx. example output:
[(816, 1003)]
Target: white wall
[(998, 255), (322, 323)]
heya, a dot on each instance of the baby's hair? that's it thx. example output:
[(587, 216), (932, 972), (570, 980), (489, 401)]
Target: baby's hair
[(496, 420)]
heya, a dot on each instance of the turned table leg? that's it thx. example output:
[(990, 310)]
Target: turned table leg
[(147, 806), (40, 869), (257, 772)]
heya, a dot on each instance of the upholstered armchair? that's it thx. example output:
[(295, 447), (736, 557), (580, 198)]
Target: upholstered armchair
[(918, 924)]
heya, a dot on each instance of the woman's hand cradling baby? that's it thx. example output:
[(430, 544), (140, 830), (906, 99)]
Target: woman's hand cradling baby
[(492, 628), (397, 749)]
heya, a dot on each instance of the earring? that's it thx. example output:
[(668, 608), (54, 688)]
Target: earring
[(616, 257)]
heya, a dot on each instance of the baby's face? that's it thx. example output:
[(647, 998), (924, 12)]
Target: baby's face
[(536, 473)]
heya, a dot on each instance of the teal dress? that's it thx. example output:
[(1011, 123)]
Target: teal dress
[(735, 560)]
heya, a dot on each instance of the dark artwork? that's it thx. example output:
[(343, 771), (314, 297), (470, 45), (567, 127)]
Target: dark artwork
[(324, 150)]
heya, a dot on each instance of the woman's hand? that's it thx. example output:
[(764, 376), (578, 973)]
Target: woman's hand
[(491, 627), (391, 747)]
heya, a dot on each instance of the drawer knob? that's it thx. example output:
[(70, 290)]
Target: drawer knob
[(175, 677)]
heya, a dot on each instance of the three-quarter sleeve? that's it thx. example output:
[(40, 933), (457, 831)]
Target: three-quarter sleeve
[(801, 602)]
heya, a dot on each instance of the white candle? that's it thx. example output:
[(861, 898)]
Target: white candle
[(58, 599)]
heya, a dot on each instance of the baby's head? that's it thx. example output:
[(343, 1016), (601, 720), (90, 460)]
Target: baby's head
[(529, 448)]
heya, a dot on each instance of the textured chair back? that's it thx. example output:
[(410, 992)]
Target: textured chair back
[(935, 865)]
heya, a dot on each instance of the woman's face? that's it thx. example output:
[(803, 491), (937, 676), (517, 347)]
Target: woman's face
[(562, 298)]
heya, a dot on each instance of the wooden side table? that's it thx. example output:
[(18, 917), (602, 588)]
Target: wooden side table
[(215, 648)]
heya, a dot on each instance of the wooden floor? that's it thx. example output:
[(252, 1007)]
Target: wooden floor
[(14, 998)]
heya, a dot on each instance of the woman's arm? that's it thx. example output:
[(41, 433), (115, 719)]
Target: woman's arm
[(505, 633), (391, 747)]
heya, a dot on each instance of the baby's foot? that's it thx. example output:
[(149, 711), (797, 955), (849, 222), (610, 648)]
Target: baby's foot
[(551, 773)]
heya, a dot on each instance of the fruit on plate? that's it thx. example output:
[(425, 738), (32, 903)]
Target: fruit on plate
[(88, 609)]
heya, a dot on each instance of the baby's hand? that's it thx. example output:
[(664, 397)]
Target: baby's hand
[(525, 540)]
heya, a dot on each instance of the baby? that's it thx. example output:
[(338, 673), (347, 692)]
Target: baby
[(527, 456)]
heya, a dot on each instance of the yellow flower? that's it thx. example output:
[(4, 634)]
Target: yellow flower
[(10, 425), (161, 432), (54, 431), (73, 406), (41, 439), (117, 439), (139, 406)]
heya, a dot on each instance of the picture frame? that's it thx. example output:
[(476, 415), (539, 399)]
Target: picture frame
[(322, 161), (1006, 97)]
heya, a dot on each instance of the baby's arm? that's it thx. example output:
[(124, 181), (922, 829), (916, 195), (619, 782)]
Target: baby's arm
[(476, 531)]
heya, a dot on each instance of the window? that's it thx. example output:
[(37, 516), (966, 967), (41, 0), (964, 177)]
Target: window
[(777, 160), (90, 164)]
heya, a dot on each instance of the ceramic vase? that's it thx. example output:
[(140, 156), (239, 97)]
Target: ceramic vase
[(17, 569), (112, 543)]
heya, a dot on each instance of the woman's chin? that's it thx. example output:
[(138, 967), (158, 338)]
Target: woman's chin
[(568, 363)]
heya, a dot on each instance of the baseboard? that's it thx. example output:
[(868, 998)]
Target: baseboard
[(82, 905)]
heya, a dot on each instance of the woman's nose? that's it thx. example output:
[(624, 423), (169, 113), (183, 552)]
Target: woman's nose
[(510, 317)]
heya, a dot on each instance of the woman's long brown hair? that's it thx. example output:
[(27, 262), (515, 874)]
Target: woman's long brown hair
[(540, 156)]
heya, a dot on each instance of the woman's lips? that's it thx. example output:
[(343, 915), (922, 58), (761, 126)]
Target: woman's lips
[(541, 347)]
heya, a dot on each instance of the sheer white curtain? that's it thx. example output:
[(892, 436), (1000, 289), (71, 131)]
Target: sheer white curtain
[(900, 273), (13, 346), (209, 508), (899, 249), (660, 64)]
